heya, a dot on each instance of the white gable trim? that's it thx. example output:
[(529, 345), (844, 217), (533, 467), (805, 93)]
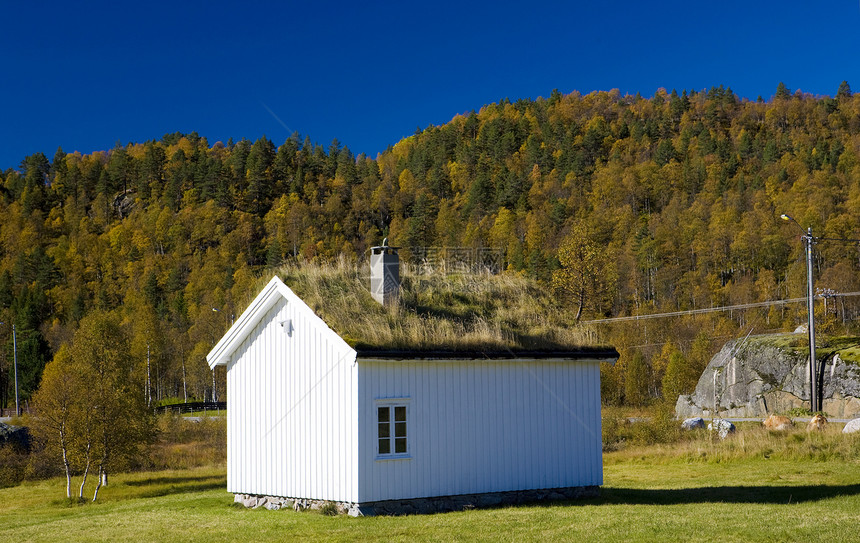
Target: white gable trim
[(274, 291)]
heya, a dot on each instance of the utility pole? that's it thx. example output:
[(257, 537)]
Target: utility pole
[(15, 356), (810, 310), (809, 239)]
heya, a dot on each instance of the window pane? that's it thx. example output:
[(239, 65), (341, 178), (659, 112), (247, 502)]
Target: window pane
[(384, 446), (383, 414), (399, 429), (400, 413), (400, 445), (384, 429)]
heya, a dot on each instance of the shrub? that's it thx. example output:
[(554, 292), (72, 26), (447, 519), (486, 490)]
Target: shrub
[(610, 430), (329, 509), (13, 463), (653, 426)]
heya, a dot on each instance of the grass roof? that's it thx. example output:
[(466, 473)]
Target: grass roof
[(463, 312)]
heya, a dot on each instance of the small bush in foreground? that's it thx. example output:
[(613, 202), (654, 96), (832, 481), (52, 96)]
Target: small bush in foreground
[(652, 426), (329, 509), (13, 465)]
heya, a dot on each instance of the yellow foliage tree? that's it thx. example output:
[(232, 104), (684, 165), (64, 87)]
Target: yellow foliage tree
[(587, 274)]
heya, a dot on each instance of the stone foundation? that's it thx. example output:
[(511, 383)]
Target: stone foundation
[(438, 504), (274, 503)]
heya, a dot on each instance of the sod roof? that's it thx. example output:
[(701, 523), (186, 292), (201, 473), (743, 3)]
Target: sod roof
[(492, 316)]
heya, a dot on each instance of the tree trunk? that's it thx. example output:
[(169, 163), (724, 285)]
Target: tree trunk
[(148, 391), (581, 303), (84, 481), (98, 485), (66, 462), (102, 465), (184, 385), (87, 463)]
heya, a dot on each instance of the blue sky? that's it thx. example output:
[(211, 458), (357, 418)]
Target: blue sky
[(86, 75)]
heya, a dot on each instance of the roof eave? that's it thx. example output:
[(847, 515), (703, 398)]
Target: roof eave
[(602, 355), (221, 352)]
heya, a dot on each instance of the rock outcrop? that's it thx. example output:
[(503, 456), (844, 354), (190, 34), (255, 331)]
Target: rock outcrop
[(722, 427), (778, 423), (851, 427), (693, 423), (817, 424), (123, 203), (14, 435), (759, 375)]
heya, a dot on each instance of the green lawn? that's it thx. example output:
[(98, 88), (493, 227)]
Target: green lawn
[(644, 499)]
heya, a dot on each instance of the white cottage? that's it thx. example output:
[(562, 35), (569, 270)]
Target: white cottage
[(391, 428)]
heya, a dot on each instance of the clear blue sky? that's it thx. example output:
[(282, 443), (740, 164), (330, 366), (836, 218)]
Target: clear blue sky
[(84, 75)]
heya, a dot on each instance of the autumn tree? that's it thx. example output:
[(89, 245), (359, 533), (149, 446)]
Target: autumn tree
[(636, 380), (659, 364), (58, 402), (678, 377), (121, 423), (586, 273)]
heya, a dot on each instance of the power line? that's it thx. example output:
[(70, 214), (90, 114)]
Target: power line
[(714, 309)]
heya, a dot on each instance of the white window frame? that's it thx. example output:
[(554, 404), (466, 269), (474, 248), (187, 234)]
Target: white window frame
[(390, 404)]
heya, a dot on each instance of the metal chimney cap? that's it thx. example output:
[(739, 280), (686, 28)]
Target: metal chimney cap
[(384, 248)]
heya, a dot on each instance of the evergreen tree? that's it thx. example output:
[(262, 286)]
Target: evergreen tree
[(120, 168), (636, 381), (260, 176), (676, 380), (59, 177)]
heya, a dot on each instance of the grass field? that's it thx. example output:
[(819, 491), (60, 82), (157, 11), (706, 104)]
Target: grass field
[(648, 496)]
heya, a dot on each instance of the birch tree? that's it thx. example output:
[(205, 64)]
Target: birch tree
[(121, 421), (91, 404), (587, 274), (55, 401)]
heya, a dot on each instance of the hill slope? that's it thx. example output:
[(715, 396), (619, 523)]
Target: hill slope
[(676, 196)]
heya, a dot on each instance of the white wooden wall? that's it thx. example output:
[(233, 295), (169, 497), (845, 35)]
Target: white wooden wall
[(292, 420), (482, 426)]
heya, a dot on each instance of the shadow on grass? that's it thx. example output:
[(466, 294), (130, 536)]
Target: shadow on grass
[(725, 494), (183, 489), (176, 480), (153, 487)]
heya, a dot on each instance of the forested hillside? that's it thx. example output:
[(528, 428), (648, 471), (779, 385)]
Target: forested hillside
[(625, 205)]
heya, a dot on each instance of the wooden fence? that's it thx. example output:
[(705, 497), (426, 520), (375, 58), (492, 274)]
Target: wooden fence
[(193, 407), (10, 411)]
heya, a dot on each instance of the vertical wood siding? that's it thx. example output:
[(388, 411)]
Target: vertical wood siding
[(292, 418), (482, 426)]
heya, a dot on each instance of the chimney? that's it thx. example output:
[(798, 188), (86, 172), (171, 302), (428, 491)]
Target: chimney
[(384, 273)]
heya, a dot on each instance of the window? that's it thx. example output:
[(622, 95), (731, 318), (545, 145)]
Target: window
[(392, 430)]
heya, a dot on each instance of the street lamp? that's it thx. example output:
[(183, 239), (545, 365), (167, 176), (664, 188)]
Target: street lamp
[(216, 310), (809, 239), (214, 396), (15, 356)]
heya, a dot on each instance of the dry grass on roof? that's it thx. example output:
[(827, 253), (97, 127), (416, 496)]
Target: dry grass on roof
[(462, 312)]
